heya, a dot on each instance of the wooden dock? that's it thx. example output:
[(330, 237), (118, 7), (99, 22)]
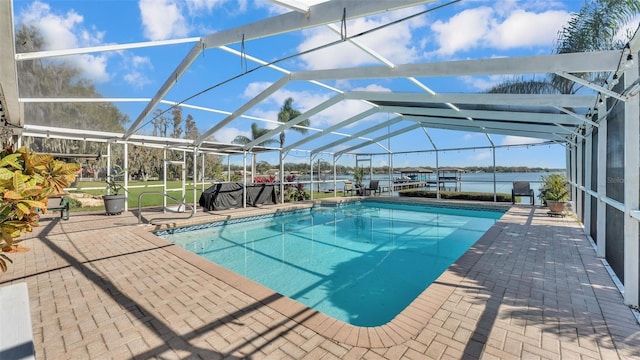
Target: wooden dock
[(410, 185)]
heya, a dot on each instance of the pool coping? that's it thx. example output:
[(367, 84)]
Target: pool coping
[(407, 324)]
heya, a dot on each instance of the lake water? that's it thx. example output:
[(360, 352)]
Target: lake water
[(472, 182)]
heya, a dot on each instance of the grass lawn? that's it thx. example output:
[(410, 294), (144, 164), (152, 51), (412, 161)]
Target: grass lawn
[(153, 199)]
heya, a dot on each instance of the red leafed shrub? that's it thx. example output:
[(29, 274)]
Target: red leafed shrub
[(264, 180), (294, 192)]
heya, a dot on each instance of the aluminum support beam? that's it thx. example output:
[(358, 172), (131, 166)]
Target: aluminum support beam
[(631, 192), (602, 184), (581, 118), (330, 129), (598, 61), (573, 149), (253, 102), (359, 134), (591, 85), (320, 14), (302, 117), (579, 210), (537, 100), (487, 115), (125, 167), (93, 49), (195, 180), (380, 138), (524, 132), (486, 124), (281, 170), (324, 13), (244, 180), (13, 110), (587, 177), (165, 88)]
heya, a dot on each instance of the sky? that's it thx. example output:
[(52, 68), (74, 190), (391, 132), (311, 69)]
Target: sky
[(469, 29)]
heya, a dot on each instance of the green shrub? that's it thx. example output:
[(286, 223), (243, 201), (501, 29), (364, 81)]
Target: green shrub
[(74, 203), (555, 187), (456, 195)]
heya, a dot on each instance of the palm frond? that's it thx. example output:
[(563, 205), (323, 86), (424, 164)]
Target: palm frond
[(595, 27), (519, 85), (241, 139), (288, 113)]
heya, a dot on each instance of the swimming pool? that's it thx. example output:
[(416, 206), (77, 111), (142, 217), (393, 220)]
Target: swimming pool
[(361, 263)]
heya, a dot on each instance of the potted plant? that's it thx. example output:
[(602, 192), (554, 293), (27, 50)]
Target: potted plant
[(27, 180), (114, 201), (358, 175), (556, 192)]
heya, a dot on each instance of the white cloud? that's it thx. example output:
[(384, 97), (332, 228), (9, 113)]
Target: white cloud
[(195, 6), (166, 19), (271, 8), (137, 79), (373, 87), (138, 61), (519, 140), (255, 88), (198, 7), (482, 83), (228, 134), (94, 66), (394, 43), (340, 112), (56, 29), (65, 31), (162, 19), (306, 100), (135, 67), (480, 155), (526, 29), (502, 27), (463, 31), (302, 101)]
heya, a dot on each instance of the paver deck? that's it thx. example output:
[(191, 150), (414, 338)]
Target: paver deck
[(104, 287)]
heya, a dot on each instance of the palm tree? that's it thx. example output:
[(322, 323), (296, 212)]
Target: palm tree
[(593, 28), (286, 114), (256, 132)]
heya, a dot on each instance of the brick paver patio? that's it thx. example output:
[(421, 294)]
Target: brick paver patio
[(104, 287)]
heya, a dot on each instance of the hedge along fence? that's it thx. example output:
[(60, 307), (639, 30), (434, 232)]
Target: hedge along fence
[(457, 195)]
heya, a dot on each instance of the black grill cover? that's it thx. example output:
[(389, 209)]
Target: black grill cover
[(261, 194), (229, 196), (222, 196)]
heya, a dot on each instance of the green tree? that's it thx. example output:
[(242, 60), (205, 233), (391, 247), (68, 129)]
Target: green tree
[(256, 132), (59, 78), (145, 162), (176, 114), (214, 170), (191, 128), (159, 123), (288, 113)]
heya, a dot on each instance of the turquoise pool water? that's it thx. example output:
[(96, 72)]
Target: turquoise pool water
[(360, 263)]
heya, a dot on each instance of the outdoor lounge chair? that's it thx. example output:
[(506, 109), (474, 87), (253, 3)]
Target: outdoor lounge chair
[(59, 203), (521, 188), (372, 188), (348, 188)]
